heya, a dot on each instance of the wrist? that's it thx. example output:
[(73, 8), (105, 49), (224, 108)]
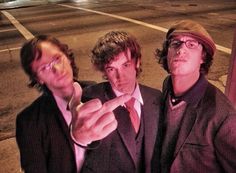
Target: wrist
[(78, 143)]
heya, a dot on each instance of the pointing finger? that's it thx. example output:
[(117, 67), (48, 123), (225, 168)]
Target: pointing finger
[(98, 110), (110, 105)]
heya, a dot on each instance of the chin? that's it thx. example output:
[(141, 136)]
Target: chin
[(126, 91), (65, 83)]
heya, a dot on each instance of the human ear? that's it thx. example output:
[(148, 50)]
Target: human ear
[(138, 63), (203, 57), (40, 81), (104, 76)]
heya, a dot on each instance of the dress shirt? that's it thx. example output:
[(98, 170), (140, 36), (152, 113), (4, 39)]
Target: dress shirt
[(79, 152), (138, 98)]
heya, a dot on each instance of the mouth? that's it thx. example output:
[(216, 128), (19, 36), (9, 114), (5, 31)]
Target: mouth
[(179, 60), (62, 76), (121, 83)]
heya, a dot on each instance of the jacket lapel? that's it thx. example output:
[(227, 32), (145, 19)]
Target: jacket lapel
[(66, 130), (59, 117), (150, 113), (189, 119), (187, 125), (124, 128)]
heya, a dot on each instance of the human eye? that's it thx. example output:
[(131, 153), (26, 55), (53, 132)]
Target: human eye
[(43, 68), (109, 69), (175, 43), (56, 59), (47, 66), (127, 64), (191, 44)]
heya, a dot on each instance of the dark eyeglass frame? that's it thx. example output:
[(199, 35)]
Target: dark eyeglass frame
[(175, 43)]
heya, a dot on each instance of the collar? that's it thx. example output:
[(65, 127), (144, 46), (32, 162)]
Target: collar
[(195, 93), (136, 94), (62, 105)]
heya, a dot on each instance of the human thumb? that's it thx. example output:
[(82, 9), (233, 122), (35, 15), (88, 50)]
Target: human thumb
[(76, 96)]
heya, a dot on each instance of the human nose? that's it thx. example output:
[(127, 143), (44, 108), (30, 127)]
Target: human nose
[(57, 67), (181, 49), (118, 74)]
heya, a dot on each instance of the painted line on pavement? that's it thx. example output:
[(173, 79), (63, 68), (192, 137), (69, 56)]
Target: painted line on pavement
[(18, 26), (7, 30), (119, 17), (218, 47), (10, 49), (223, 49)]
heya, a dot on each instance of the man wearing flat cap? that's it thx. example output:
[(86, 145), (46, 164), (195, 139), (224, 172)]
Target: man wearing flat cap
[(197, 128)]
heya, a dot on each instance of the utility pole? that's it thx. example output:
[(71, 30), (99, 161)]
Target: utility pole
[(230, 89)]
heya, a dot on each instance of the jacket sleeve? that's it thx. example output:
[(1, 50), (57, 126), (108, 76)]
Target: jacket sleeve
[(28, 137), (225, 144)]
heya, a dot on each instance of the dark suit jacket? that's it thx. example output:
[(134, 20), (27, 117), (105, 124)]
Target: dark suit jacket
[(207, 137), (116, 152), (43, 137)]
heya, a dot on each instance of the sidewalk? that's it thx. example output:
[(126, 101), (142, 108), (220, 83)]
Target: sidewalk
[(10, 158)]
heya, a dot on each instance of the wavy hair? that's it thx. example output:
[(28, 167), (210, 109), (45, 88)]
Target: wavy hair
[(112, 44), (32, 51)]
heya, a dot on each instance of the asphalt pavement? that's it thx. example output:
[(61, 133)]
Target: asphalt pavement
[(24, 3)]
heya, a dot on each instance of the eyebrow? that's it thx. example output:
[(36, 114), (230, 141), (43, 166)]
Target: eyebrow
[(129, 61), (179, 38), (52, 59), (106, 67), (57, 55), (109, 66)]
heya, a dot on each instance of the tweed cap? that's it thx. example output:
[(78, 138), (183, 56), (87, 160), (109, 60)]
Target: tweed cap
[(193, 29)]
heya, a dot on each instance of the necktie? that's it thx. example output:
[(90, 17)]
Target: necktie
[(133, 114)]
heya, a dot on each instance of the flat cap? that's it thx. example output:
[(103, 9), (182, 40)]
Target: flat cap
[(193, 29)]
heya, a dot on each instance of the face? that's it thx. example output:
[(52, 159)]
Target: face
[(185, 56), (53, 69), (121, 72)]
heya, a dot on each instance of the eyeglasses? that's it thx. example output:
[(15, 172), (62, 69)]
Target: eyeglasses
[(43, 69), (191, 44)]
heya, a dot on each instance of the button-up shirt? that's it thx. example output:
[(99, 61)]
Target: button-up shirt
[(138, 98), (79, 152)]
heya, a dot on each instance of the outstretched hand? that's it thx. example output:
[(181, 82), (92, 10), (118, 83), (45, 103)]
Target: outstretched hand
[(92, 121)]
